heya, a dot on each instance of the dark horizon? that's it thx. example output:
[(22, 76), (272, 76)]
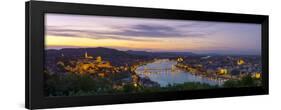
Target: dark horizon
[(195, 53)]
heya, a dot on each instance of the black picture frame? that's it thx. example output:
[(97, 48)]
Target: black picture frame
[(35, 11)]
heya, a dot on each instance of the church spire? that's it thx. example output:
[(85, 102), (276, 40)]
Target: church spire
[(86, 54)]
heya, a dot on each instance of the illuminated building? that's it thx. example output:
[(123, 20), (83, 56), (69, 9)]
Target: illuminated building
[(222, 71), (104, 65), (257, 75), (240, 62), (99, 59), (180, 59), (86, 66)]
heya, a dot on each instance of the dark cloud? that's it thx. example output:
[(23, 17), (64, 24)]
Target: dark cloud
[(88, 34), (152, 27), (149, 31), (159, 31), (132, 32)]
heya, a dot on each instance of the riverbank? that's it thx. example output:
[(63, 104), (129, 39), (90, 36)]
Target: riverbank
[(205, 74)]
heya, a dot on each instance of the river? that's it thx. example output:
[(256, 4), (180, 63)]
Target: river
[(164, 72)]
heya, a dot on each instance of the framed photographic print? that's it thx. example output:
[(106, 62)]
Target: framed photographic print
[(82, 54)]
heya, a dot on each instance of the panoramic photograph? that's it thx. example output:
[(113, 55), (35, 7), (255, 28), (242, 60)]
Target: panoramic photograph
[(89, 55)]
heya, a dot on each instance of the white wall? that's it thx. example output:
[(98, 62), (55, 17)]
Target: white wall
[(12, 54)]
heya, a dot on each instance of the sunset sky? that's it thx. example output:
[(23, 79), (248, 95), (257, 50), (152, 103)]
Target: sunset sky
[(79, 31)]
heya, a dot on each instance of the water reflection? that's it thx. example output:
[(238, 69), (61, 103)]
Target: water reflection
[(164, 72)]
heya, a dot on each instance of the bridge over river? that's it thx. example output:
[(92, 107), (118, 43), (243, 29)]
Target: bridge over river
[(164, 72)]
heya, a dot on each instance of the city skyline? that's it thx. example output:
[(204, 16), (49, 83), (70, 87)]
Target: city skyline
[(154, 35)]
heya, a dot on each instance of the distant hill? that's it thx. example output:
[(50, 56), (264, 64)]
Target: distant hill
[(160, 54), (99, 51), (112, 53), (115, 57), (141, 53)]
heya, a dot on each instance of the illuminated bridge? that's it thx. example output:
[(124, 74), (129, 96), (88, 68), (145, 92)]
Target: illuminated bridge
[(173, 69)]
